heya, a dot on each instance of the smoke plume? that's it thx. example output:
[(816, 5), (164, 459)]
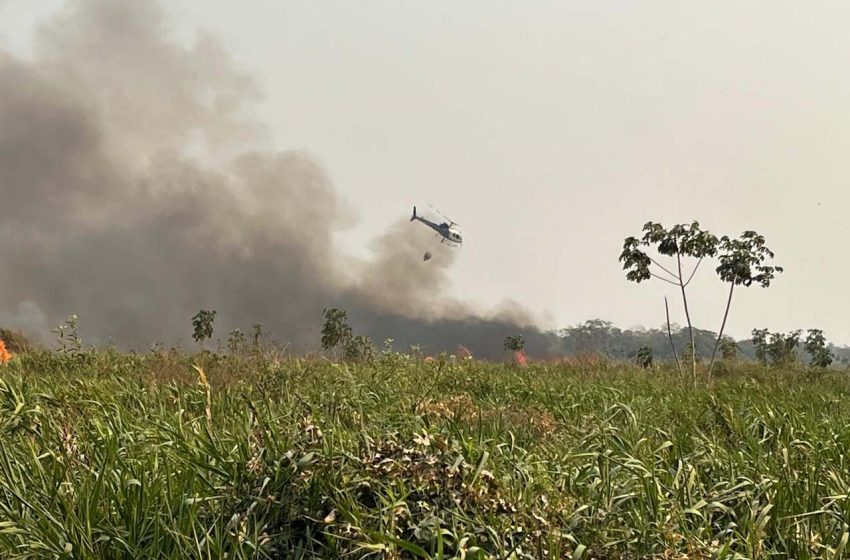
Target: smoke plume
[(136, 190)]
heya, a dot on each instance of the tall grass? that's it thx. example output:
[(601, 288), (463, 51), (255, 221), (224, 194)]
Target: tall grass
[(109, 455)]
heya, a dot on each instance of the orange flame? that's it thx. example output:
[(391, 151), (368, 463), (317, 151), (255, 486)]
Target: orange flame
[(5, 355), (519, 358)]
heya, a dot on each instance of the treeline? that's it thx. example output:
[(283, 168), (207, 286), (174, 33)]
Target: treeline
[(491, 340), (603, 338)]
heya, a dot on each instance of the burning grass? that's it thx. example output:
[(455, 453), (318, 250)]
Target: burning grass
[(5, 355)]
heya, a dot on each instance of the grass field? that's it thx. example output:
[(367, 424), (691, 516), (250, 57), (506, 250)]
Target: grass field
[(108, 455)]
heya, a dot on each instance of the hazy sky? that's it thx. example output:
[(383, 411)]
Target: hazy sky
[(552, 130)]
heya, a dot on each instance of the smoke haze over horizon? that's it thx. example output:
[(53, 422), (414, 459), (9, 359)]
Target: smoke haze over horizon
[(156, 158), (136, 190)]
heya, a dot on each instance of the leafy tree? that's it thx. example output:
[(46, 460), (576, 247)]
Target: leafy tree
[(760, 344), (592, 337), (681, 241), (782, 348), (644, 357), (601, 338), (336, 329), (690, 355), (257, 336), (514, 343), (728, 348), (337, 332), (202, 325), (235, 341), (359, 349), (815, 346), (742, 263)]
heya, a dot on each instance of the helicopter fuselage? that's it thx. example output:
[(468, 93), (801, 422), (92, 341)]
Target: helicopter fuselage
[(447, 231)]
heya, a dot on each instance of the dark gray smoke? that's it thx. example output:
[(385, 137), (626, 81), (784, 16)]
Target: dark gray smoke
[(135, 191)]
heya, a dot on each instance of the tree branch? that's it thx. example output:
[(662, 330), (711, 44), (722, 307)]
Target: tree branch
[(722, 326), (663, 279), (694, 272), (690, 325), (659, 265), (670, 335)]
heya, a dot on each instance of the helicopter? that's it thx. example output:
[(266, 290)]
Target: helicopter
[(446, 230)]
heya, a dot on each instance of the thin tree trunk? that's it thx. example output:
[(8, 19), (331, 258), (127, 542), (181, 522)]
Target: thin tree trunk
[(670, 336), (688, 317), (722, 326)]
